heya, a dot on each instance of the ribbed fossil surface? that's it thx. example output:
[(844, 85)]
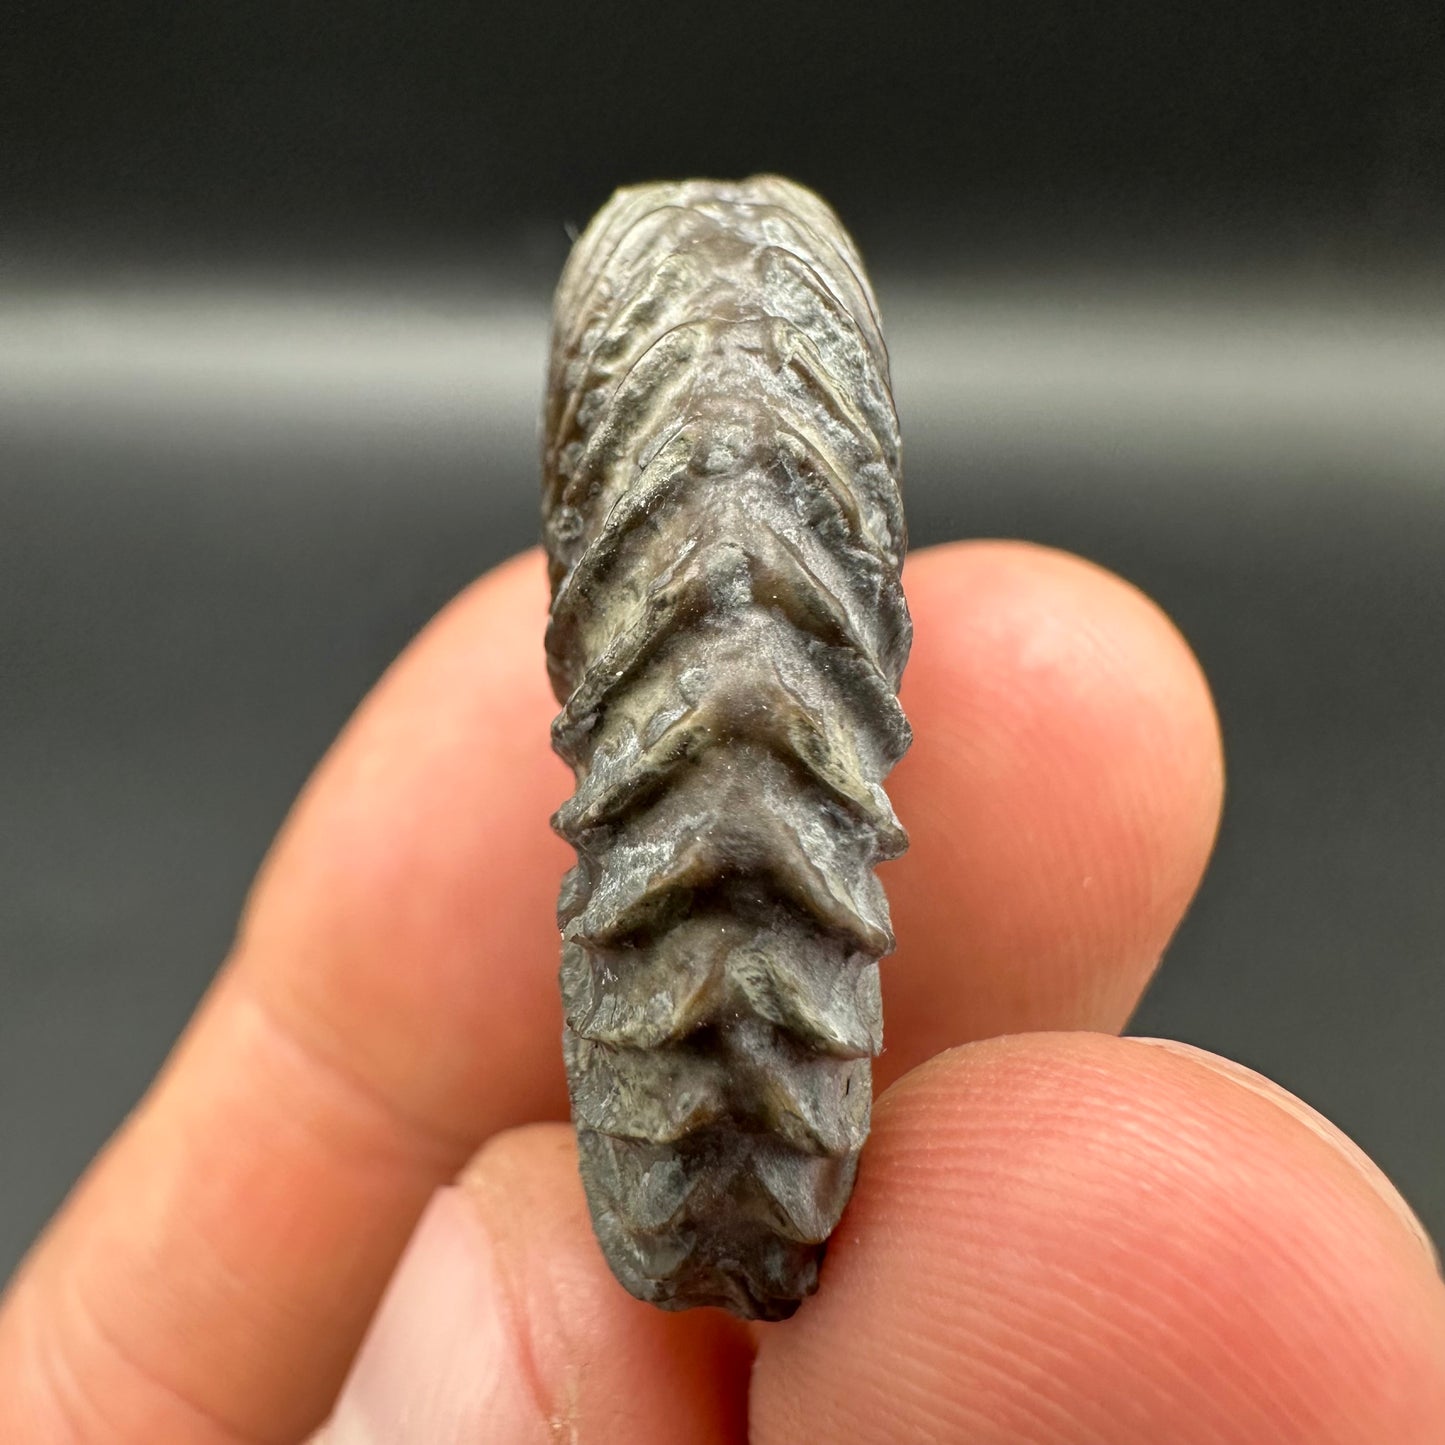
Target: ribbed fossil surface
[(723, 523)]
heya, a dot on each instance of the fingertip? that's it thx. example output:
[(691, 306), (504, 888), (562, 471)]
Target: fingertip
[(1327, 1132), (1075, 1237), (1062, 797), (1030, 643), (461, 715)]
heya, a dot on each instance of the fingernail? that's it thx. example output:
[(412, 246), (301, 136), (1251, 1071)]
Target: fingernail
[(1316, 1123), (440, 1365)]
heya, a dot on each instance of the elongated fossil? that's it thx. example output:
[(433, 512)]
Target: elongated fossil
[(725, 536)]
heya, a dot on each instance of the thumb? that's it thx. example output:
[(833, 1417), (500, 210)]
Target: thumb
[(503, 1323), (442, 1355)]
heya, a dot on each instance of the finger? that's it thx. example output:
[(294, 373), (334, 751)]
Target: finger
[(1062, 797), (383, 1010), (504, 1324), (392, 1001), (1062, 794), (1072, 1238)]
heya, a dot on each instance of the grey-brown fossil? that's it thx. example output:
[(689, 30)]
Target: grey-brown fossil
[(725, 536)]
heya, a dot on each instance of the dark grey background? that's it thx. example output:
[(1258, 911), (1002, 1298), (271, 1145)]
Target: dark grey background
[(1163, 285)]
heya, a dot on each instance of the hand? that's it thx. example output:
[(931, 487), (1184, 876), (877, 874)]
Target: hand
[(1058, 1236)]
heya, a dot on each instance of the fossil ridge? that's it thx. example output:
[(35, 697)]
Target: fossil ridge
[(725, 536)]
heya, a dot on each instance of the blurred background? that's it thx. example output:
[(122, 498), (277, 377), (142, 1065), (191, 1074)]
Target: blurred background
[(1164, 283)]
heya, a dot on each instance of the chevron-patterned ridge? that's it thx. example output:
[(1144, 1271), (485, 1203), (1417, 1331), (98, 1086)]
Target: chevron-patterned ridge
[(725, 536)]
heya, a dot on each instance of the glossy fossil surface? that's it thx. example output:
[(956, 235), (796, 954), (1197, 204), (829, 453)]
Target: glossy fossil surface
[(725, 535)]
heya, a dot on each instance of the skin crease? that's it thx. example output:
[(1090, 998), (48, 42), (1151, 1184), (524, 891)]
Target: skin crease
[(391, 1003)]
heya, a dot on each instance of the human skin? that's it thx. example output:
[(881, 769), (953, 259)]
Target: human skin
[(1058, 1237)]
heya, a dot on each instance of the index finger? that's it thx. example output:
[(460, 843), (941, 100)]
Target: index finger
[(382, 1011)]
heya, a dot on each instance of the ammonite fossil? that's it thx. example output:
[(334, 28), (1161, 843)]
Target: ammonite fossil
[(725, 533)]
